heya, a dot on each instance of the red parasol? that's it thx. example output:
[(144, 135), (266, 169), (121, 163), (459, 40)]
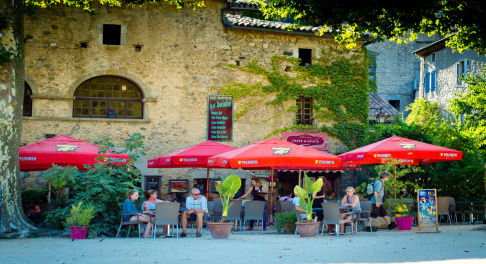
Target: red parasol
[(272, 153), (406, 151), (64, 151), (192, 157)]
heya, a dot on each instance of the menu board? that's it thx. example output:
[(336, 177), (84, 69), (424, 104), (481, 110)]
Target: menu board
[(427, 209), (220, 118)]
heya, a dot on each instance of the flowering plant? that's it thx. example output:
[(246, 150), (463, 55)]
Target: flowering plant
[(210, 197)]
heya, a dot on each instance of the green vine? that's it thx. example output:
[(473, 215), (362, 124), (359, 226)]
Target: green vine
[(338, 82)]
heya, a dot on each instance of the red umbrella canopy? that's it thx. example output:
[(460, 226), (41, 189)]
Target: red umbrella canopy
[(62, 150), (409, 152), (192, 157), (274, 152)]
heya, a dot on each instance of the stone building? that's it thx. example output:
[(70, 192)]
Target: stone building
[(150, 70), (397, 71), (441, 70)]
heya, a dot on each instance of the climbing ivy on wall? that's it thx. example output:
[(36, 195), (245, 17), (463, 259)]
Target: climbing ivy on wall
[(337, 81)]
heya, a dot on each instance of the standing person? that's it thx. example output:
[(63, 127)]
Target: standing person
[(319, 199), (377, 202), (196, 205), (259, 192), (128, 207), (151, 197)]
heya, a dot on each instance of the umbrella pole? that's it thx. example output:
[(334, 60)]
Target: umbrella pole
[(299, 176), (271, 193), (395, 181), (207, 183), (49, 194)]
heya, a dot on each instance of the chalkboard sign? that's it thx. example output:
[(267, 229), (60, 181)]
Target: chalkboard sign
[(427, 209), (220, 118)]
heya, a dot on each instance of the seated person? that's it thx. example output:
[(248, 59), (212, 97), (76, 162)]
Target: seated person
[(128, 207), (196, 205), (151, 197), (177, 197), (331, 196), (350, 201), (286, 196), (34, 212), (303, 214)]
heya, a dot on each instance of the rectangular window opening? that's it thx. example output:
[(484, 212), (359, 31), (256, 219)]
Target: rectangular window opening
[(111, 34), (395, 104), (304, 113), (432, 58), (305, 56)]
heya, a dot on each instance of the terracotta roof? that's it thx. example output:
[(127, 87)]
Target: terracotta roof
[(377, 103), (242, 4), (243, 21)]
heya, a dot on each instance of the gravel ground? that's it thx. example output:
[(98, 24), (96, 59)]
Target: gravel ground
[(454, 244)]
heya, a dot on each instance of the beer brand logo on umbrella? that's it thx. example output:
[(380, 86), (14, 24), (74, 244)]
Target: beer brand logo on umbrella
[(360, 156), (167, 160), (189, 160), (248, 162), (66, 148), (448, 154), (382, 155), (407, 146), (324, 162), (281, 151)]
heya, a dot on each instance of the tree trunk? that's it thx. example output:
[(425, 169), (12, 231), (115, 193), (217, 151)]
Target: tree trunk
[(11, 100)]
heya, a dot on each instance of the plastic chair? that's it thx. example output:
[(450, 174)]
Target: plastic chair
[(443, 207), (287, 206), (129, 223), (254, 211), (332, 217), (234, 212), (216, 211), (364, 215), (278, 207), (454, 210), (166, 214)]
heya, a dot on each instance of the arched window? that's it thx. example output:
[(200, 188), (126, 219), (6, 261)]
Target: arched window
[(108, 97), (27, 108)]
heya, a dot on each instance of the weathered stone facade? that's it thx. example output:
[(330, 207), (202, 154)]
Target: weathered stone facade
[(446, 66), (176, 68), (398, 70)]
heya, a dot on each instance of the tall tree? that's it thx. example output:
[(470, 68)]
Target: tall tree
[(460, 20), (12, 71)]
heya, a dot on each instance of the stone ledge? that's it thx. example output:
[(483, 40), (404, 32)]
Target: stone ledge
[(145, 120), (58, 97)]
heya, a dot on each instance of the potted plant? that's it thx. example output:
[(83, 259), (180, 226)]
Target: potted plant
[(285, 222), (307, 228), (227, 190), (403, 215), (79, 218)]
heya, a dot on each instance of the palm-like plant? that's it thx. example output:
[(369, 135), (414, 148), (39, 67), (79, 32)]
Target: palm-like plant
[(227, 190), (306, 199)]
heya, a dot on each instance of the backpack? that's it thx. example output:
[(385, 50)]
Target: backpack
[(369, 189)]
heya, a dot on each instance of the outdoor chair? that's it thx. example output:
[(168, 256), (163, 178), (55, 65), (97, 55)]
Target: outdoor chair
[(332, 217), (234, 212), (268, 212), (166, 214), (479, 209), (206, 219), (129, 223), (216, 211), (287, 206), (254, 211), (443, 207), (364, 215), (454, 210), (278, 207)]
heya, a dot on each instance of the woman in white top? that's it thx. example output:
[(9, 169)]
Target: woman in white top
[(352, 201)]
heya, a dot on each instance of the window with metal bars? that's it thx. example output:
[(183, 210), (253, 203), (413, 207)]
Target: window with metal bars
[(108, 96), (27, 106), (304, 113)]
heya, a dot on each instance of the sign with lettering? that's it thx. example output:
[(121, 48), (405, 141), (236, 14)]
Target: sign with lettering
[(427, 209), (319, 141), (220, 118)]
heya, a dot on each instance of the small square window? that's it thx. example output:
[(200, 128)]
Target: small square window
[(111, 34), (305, 56), (395, 104)]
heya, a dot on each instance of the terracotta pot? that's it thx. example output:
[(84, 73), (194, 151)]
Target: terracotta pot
[(404, 223), (220, 230), (308, 229), (78, 232)]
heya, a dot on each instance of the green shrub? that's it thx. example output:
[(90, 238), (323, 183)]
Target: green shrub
[(285, 222)]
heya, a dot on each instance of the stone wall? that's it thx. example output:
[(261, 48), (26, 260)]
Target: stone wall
[(177, 67), (397, 69), (445, 67)]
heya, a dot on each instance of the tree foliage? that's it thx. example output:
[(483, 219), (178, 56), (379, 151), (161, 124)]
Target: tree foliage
[(460, 20)]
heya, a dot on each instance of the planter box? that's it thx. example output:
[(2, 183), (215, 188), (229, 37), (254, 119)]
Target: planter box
[(404, 223), (78, 232)]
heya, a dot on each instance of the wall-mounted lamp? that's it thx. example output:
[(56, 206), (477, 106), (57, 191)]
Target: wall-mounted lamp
[(380, 117)]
